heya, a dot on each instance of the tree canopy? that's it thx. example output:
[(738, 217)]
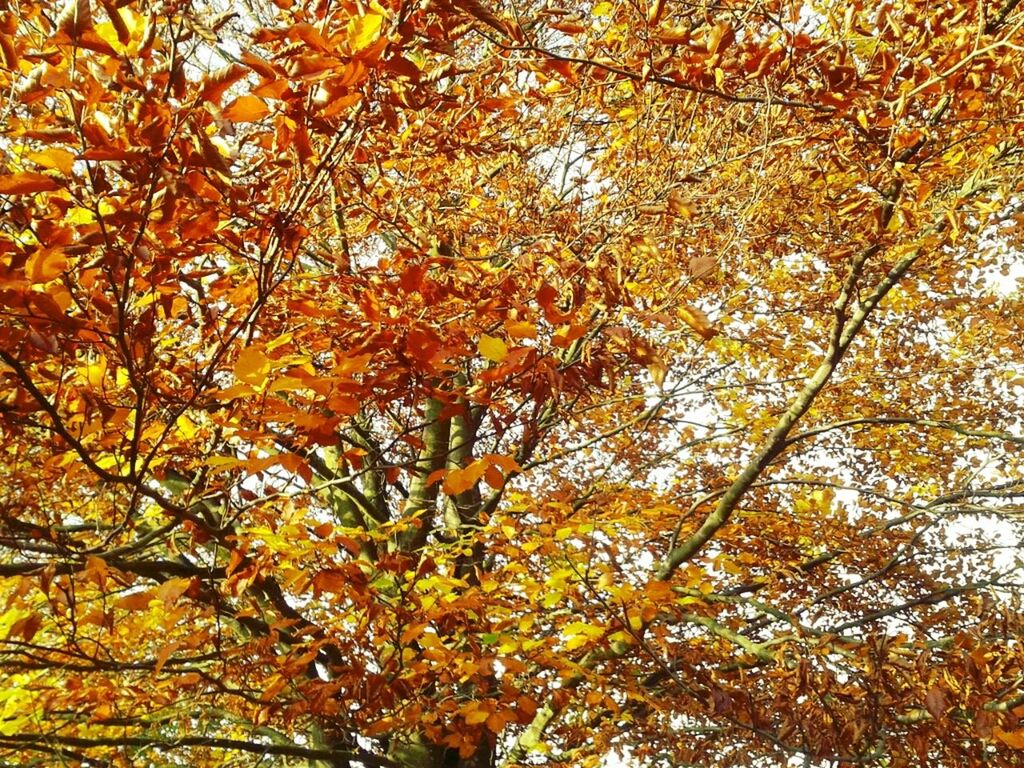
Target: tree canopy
[(471, 383)]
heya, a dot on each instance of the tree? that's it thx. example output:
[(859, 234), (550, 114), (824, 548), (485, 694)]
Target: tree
[(455, 384)]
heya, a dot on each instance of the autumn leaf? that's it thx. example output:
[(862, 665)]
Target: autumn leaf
[(492, 348), (673, 35), (655, 9), (216, 83), (658, 369), (252, 366), (458, 481), (330, 581), (520, 329), (569, 27), (75, 18), (246, 109), (477, 716), (699, 266), (364, 30), (26, 628), (678, 205), (59, 159), (136, 601), (697, 320), (45, 265), (1013, 739), (354, 405), (26, 183), (935, 702)]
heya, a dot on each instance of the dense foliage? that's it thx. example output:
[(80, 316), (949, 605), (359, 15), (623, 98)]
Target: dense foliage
[(458, 383)]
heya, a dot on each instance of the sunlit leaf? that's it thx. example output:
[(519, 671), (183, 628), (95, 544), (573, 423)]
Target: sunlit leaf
[(26, 183), (364, 30), (45, 265), (494, 349), (246, 109), (252, 366), (59, 159)]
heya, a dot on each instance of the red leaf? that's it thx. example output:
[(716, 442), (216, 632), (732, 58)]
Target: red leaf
[(935, 702)]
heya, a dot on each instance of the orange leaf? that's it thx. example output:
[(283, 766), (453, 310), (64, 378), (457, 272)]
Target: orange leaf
[(335, 582), (164, 654), (138, 601), (678, 205), (461, 480), (497, 721), (263, 68), (702, 265), (1014, 739), (507, 463), (26, 627), (246, 109), (44, 265), (26, 183), (569, 27), (520, 330), (494, 478), (436, 476), (221, 80), (674, 35), (8, 51), (171, 590)]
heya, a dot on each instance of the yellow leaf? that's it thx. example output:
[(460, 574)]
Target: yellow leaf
[(246, 109), (94, 372), (697, 320), (252, 366), (477, 716), (364, 31), (186, 427), (654, 11), (658, 370), (492, 348), (60, 159), (44, 265)]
